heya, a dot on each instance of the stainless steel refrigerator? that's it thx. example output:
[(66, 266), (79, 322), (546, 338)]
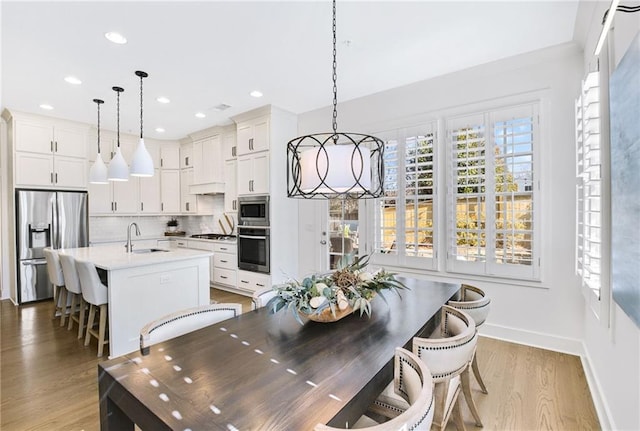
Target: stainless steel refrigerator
[(56, 219)]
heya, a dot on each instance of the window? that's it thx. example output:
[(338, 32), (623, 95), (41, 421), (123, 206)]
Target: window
[(588, 185), (491, 193), (405, 215)]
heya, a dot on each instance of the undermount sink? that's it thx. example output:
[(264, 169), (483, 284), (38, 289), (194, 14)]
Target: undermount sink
[(149, 250)]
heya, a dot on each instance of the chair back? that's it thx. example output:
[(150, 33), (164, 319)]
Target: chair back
[(53, 266), (412, 381), (71, 278), (185, 321), (448, 356), (473, 301), (93, 291), (261, 297)]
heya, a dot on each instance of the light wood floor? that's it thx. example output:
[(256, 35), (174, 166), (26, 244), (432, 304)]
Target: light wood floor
[(49, 379)]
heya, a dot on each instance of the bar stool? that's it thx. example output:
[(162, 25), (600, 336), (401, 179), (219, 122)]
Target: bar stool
[(56, 277), (74, 291), (260, 298), (95, 294)]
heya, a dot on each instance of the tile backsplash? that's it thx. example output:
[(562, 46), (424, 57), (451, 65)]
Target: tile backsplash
[(111, 228)]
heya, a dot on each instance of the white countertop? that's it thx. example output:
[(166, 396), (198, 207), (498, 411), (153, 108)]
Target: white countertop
[(116, 257)]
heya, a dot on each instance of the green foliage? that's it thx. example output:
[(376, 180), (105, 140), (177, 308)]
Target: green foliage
[(350, 282)]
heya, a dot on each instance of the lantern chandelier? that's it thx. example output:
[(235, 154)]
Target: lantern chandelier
[(335, 164)]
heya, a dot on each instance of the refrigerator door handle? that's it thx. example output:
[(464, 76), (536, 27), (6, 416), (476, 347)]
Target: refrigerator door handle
[(55, 225)]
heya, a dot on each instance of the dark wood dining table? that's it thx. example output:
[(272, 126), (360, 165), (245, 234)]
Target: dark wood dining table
[(263, 371)]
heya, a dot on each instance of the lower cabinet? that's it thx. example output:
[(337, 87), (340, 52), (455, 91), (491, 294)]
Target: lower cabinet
[(253, 281), (225, 264)]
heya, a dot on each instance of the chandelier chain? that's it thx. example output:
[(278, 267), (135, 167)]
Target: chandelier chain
[(335, 76)]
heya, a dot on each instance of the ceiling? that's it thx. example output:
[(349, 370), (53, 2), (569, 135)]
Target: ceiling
[(203, 54)]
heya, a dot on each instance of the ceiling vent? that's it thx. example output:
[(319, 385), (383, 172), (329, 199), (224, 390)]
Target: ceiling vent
[(222, 107)]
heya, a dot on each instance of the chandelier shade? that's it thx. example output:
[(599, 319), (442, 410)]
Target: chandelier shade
[(332, 165)]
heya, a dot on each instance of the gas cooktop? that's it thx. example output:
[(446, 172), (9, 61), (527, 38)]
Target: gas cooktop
[(218, 236)]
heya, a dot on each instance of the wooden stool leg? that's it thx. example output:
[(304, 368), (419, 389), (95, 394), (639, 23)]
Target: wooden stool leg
[(476, 372), (83, 306), (72, 311), (63, 306), (92, 313), (457, 414), (466, 389), (102, 328), (56, 299)]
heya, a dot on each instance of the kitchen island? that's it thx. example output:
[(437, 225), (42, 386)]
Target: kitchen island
[(145, 285)]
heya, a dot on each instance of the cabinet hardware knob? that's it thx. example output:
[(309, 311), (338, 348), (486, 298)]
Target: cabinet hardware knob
[(56, 178), (258, 284), (51, 177), (323, 242)]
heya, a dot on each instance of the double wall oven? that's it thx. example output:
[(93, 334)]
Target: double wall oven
[(253, 234)]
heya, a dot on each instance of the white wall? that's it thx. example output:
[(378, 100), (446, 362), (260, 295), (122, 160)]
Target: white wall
[(613, 350), (552, 314)]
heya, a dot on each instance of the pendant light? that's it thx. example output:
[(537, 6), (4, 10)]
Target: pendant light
[(98, 171), (118, 169), (141, 164), (335, 164)]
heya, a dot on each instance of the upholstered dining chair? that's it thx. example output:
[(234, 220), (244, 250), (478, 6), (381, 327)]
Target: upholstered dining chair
[(477, 304), (74, 291), (56, 276), (448, 356), (260, 298), (184, 321), (95, 294), (413, 384)]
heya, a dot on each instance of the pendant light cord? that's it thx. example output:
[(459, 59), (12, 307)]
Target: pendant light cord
[(118, 118), (98, 103), (140, 106), (335, 79)]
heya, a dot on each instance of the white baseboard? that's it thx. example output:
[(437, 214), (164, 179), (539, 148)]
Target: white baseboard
[(557, 344)]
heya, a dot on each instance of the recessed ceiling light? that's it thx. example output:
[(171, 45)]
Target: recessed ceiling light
[(163, 99), (47, 107), (73, 80), (256, 93), (116, 37), (200, 115), (159, 130)]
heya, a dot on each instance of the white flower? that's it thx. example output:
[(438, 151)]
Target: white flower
[(365, 276), (342, 300), (317, 301), (321, 287)]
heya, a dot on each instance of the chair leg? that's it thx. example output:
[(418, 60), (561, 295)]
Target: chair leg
[(92, 314), (102, 328), (466, 389), (83, 306), (476, 372), (457, 414), (56, 299), (72, 311), (63, 306)]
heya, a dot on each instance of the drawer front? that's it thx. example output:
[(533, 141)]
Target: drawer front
[(201, 245), (182, 243), (225, 248), (224, 276), (224, 260)]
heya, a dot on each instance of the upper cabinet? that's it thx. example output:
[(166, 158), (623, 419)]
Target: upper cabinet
[(253, 136), (207, 160), (229, 145), (170, 155), (49, 153)]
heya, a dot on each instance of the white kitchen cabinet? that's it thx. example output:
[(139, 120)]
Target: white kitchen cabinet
[(207, 160), (253, 174), (170, 155), (125, 196), (204, 245), (34, 169), (186, 156), (187, 200), (49, 153), (100, 199), (253, 136), (225, 263), (150, 194), (50, 137), (230, 186), (229, 147), (170, 190), (252, 281)]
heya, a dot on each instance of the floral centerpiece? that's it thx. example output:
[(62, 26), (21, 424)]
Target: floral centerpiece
[(326, 298)]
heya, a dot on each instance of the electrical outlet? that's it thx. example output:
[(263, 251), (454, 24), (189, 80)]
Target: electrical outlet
[(165, 278)]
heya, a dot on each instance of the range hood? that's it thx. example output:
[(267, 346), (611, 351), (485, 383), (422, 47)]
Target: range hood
[(207, 188)]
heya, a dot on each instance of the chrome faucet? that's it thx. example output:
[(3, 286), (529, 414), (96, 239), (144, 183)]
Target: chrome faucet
[(128, 245)]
